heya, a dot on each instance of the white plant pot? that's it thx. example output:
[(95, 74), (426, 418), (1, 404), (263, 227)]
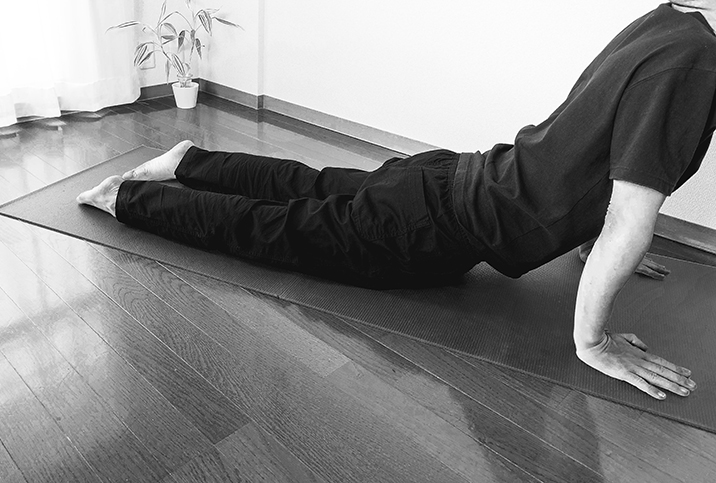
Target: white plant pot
[(185, 97)]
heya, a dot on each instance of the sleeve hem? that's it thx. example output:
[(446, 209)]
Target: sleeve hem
[(643, 179)]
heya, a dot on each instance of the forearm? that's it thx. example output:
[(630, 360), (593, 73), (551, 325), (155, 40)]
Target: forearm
[(614, 257)]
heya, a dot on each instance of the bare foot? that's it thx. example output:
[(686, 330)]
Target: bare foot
[(162, 167), (103, 196)]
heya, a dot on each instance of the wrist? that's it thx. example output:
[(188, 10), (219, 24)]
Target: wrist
[(589, 340)]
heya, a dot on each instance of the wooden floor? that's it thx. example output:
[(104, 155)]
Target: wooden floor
[(116, 368)]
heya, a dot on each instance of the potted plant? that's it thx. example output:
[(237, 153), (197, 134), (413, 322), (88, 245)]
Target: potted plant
[(173, 44)]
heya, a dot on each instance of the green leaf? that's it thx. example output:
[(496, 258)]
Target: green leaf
[(171, 28), (178, 64), (161, 15), (167, 66), (139, 53), (205, 20), (182, 38), (124, 25), (197, 44), (143, 44), (226, 22), (146, 57)]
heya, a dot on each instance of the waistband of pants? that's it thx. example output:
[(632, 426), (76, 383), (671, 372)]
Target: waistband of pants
[(457, 181)]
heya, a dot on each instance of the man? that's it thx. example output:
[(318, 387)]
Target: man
[(634, 128)]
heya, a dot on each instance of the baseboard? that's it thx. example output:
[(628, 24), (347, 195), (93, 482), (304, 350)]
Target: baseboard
[(356, 130), (686, 233), (152, 92), (668, 227), (230, 94)]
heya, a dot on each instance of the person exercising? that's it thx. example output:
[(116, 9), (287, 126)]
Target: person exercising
[(633, 129)]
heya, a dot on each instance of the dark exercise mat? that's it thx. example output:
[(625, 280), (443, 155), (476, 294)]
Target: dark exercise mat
[(524, 324)]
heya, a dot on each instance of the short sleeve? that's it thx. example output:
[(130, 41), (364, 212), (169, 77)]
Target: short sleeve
[(660, 123)]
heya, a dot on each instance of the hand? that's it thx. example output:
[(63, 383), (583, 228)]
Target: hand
[(650, 268), (624, 357)]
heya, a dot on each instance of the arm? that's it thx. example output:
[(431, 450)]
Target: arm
[(647, 267), (627, 233)]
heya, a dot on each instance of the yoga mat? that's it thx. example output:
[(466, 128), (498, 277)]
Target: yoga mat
[(524, 324)]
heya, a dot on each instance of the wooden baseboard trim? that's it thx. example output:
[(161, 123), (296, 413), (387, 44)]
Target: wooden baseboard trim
[(230, 94), (153, 92), (687, 233), (356, 130)]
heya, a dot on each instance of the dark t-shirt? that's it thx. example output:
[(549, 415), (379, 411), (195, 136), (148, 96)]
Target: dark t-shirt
[(643, 112)]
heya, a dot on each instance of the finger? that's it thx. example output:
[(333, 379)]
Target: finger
[(657, 267), (648, 272), (662, 382), (644, 386), (635, 341), (128, 175), (669, 365)]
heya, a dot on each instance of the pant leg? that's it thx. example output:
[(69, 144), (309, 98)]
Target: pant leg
[(263, 177), (308, 235), (398, 229)]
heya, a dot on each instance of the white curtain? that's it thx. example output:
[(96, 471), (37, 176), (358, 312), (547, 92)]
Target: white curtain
[(57, 56)]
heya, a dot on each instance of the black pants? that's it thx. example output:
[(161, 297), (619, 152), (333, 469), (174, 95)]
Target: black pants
[(394, 226)]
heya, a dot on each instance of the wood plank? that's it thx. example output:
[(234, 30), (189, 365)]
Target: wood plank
[(200, 402), (360, 388), (257, 321), (8, 190), (313, 420), (149, 271), (66, 153), (19, 177), (123, 130), (107, 444), (149, 115), (28, 432), (649, 445), (265, 365), (293, 145), (260, 457), (36, 166), (164, 431), (466, 455), (157, 136), (250, 454), (89, 143), (321, 421), (9, 472), (220, 137)]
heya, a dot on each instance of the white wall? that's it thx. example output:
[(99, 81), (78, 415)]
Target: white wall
[(233, 54), (464, 74)]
